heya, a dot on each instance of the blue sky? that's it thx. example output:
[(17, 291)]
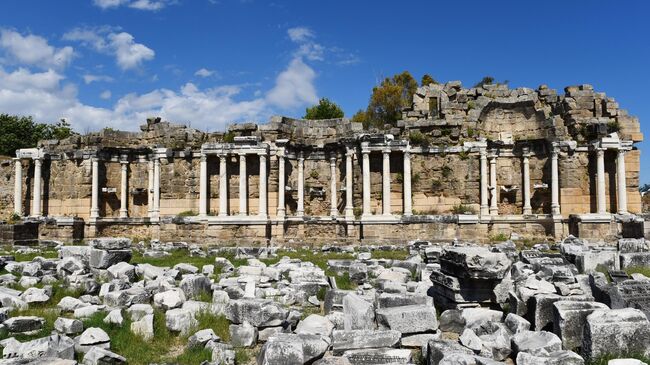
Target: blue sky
[(212, 62)]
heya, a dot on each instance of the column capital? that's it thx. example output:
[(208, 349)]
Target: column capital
[(386, 151), (16, 159), (525, 151), (301, 156), (203, 157), (124, 162), (333, 158), (262, 153)]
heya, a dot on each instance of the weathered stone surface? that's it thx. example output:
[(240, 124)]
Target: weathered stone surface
[(22, 324), (315, 324), (474, 262), (68, 326), (179, 320), (258, 312), (553, 358), (200, 338), (408, 319), (569, 320), (536, 343), (243, 335), (53, 346), (516, 323), (359, 314), (378, 356), (286, 348), (618, 331), (169, 299), (437, 350), (103, 259), (110, 243), (361, 339), (92, 337), (100, 356)]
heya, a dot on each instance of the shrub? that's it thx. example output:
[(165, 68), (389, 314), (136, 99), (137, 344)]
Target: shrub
[(187, 213), (499, 237), (314, 174), (418, 138), (463, 209), (446, 171)]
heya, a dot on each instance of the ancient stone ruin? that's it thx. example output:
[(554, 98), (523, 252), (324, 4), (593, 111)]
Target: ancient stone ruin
[(462, 163)]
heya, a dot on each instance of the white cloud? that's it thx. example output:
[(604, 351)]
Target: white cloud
[(90, 78), (300, 34), (204, 72), (294, 86), (34, 50), (106, 94), (150, 5), (128, 54)]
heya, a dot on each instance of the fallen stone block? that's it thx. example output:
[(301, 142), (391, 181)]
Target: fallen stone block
[(616, 331), (408, 319), (362, 339)]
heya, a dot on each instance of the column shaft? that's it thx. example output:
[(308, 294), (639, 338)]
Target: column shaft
[(526, 185), (408, 204), (386, 183), (281, 186), (349, 205), (600, 181), (18, 187), (94, 197), (366, 182), (621, 183), (223, 185), (494, 208), (555, 183), (300, 210), (124, 197), (333, 200), (203, 187), (150, 189), (263, 203), (484, 183), (243, 185), (36, 204), (156, 188)]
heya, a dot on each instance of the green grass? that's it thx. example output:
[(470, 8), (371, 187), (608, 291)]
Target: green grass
[(645, 270), (603, 360), (243, 356), (219, 324), (499, 237), (194, 355), (47, 254), (175, 257), (390, 254)]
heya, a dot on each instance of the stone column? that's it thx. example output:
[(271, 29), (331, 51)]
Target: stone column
[(243, 185), (484, 183), (620, 182), (281, 183), (223, 185), (333, 208), (555, 183), (526, 185), (494, 209), (94, 194), (366, 180), (18, 187), (36, 204), (408, 205), (300, 210), (349, 205), (600, 181), (124, 197), (156, 187), (385, 183), (263, 213), (203, 187), (150, 190)]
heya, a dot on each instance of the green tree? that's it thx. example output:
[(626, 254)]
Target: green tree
[(388, 99), (427, 79), (325, 109), (22, 132), (361, 117), (486, 80)]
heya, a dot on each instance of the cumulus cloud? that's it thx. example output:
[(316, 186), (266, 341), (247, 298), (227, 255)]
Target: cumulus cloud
[(106, 94), (300, 34), (204, 72), (150, 5), (33, 50), (90, 78), (294, 86), (109, 40)]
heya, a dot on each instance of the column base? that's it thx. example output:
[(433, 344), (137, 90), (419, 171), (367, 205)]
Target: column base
[(484, 210), (494, 211), (528, 211), (124, 214)]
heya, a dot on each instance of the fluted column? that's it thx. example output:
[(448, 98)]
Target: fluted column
[(156, 188), (18, 187), (555, 183), (203, 187), (124, 197), (150, 189), (349, 205), (36, 204), (386, 182), (365, 152), (281, 185), (263, 213), (526, 185), (243, 185), (94, 197), (484, 183), (494, 208), (300, 210), (333, 209), (408, 204), (223, 185), (600, 181), (621, 183)]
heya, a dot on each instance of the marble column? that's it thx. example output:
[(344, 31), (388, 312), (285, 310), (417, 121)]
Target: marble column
[(263, 212), (408, 204), (124, 195), (494, 208), (333, 206), (526, 185), (156, 187), (555, 183), (150, 190), (600, 181), (620, 182), (223, 185), (366, 181), (484, 183), (385, 183), (300, 210), (36, 199), (349, 205), (18, 187), (94, 197), (203, 187), (243, 185), (281, 185)]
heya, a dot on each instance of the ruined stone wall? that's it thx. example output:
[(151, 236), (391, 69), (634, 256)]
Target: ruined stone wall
[(6, 187)]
